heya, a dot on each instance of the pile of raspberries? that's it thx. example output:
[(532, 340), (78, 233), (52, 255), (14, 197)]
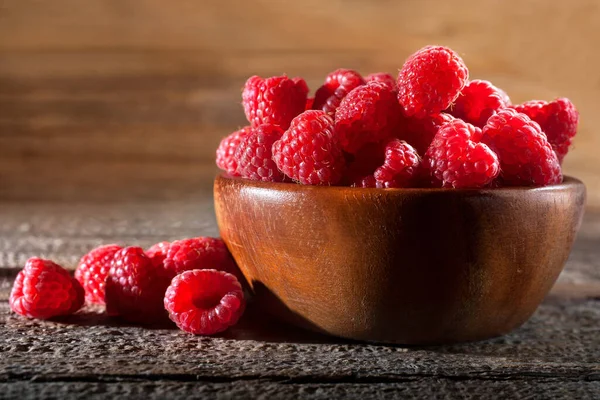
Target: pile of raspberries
[(431, 127), (193, 282)]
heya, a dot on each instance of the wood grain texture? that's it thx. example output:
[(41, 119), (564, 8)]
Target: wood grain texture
[(141, 91)]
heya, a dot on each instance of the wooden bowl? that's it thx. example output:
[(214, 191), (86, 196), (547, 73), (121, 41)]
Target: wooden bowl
[(411, 266)]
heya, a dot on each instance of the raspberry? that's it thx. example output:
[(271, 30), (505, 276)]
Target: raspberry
[(135, 288), (400, 167), (368, 114), (93, 270), (526, 157), (199, 253), (204, 302), (276, 100), (253, 155), (308, 152), (430, 80), (382, 77), (419, 132), (157, 253), (477, 102), (44, 290), (337, 85), (226, 151), (457, 159), (558, 119)]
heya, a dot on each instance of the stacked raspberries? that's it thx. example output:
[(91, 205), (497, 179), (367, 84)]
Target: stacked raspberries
[(193, 282), (429, 127)]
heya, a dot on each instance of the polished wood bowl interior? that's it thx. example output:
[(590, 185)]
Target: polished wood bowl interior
[(410, 266)]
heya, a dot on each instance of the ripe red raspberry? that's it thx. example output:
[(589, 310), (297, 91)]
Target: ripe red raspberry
[(204, 302), (157, 253), (337, 85), (400, 167), (44, 290), (457, 159), (199, 253), (419, 132), (135, 288), (477, 102), (430, 80), (276, 100), (526, 157), (253, 155), (226, 151), (93, 270), (368, 114), (382, 77), (558, 119), (308, 152)]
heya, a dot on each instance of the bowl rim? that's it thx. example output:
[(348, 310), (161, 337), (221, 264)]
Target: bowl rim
[(567, 183)]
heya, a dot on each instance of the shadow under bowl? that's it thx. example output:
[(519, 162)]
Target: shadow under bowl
[(409, 266)]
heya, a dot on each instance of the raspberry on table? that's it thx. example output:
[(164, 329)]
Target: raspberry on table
[(400, 167), (337, 85), (558, 119), (382, 77), (419, 132), (526, 157), (199, 253), (456, 157), (309, 152), (204, 302), (477, 102), (430, 80), (226, 150), (93, 269), (135, 288), (369, 113), (253, 155), (275, 100), (45, 290), (157, 253)]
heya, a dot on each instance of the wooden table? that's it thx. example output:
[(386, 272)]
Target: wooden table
[(554, 355)]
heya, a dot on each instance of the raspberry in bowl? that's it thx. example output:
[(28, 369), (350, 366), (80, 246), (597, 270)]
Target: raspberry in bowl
[(426, 210)]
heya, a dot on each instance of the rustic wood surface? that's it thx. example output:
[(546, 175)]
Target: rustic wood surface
[(553, 356), (118, 99)]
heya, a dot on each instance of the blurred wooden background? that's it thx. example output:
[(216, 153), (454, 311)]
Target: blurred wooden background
[(126, 99)]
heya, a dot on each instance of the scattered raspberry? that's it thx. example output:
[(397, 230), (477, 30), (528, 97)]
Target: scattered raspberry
[(308, 152), (254, 158), (227, 148), (382, 77), (337, 85), (368, 114), (558, 119), (276, 100), (457, 159), (430, 80), (419, 132), (157, 253), (135, 288), (204, 302), (199, 253), (477, 102), (44, 290), (526, 157), (93, 270)]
